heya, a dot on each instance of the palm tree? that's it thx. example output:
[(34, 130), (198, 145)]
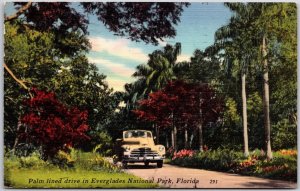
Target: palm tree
[(274, 23), (260, 23), (157, 73), (159, 68), (237, 43)]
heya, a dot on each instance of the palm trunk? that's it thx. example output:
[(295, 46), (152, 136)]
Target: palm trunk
[(175, 138), (172, 138), (200, 137), (266, 99), (245, 124), (167, 141), (200, 124), (186, 139), (174, 133), (157, 134)]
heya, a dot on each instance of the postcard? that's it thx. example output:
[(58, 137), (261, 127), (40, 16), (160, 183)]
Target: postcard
[(150, 95)]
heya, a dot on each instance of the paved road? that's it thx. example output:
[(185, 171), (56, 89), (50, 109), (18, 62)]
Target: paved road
[(178, 177)]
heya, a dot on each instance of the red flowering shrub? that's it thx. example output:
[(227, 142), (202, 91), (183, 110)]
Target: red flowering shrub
[(246, 164), (51, 124), (183, 153), (288, 152), (273, 168)]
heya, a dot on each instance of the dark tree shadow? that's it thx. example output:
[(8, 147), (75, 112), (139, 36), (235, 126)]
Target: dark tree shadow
[(140, 166), (271, 184)]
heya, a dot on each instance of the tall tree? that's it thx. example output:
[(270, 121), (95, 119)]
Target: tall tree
[(281, 27), (178, 105), (262, 35), (57, 30), (238, 50), (159, 69), (158, 72)]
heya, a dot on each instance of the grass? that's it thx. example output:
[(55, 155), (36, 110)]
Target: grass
[(56, 178), (68, 170)]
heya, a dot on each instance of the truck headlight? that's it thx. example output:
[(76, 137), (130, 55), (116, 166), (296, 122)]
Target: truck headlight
[(161, 148), (127, 149)]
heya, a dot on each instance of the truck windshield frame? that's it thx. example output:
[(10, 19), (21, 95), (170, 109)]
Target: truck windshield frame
[(137, 134)]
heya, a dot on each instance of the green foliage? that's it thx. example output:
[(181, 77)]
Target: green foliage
[(33, 161), (159, 69), (255, 120), (231, 115), (104, 148), (284, 135), (63, 160), (92, 162), (38, 59)]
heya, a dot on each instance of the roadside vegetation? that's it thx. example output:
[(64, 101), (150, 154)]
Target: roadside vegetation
[(283, 166), (75, 170)]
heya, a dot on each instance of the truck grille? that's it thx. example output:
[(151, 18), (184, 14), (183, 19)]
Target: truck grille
[(140, 152)]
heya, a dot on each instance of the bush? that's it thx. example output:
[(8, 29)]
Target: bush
[(63, 159), (92, 161), (282, 166), (105, 144), (218, 159), (32, 161)]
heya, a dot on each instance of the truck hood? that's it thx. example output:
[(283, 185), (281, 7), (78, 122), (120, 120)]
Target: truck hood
[(138, 141)]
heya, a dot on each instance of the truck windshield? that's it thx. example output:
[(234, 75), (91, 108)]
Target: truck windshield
[(136, 134)]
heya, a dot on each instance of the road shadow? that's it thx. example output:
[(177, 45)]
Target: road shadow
[(270, 184), (141, 166)]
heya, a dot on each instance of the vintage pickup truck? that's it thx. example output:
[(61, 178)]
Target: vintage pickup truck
[(137, 146)]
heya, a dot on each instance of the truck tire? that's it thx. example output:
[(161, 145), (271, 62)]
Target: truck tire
[(124, 165), (159, 164)]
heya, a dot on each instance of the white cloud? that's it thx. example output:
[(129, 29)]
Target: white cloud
[(116, 84), (183, 57), (116, 68), (119, 47)]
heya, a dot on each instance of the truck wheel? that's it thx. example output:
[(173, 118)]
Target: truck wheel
[(160, 164), (124, 164), (146, 164)]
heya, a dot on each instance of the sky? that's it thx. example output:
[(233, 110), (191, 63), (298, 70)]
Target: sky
[(117, 57)]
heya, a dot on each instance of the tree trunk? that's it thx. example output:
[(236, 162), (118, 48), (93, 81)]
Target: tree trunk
[(172, 138), (20, 82), (167, 141), (245, 124), (19, 12), (192, 138), (200, 137), (17, 137), (200, 124), (157, 134), (186, 139), (175, 138), (266, 105)]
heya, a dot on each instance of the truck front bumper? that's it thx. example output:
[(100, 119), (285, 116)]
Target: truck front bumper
[(133, 158)]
